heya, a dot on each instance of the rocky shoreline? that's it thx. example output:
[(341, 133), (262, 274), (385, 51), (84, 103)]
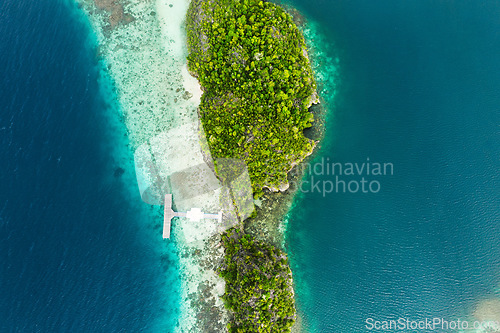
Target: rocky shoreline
[(276, 200)]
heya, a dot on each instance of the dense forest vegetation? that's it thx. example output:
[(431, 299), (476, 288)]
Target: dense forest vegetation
[(258, 285), (251, 61)]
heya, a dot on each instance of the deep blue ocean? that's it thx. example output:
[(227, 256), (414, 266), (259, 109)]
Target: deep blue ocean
[(418, 87), (79, 251)]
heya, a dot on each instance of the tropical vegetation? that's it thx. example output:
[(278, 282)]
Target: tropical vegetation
[(251, 61), (258, 285)]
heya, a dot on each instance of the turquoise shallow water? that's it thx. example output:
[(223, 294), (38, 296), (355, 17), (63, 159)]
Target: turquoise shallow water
[(418, 87)]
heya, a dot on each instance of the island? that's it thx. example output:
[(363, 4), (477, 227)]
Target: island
[(238, 71), (251, 61)]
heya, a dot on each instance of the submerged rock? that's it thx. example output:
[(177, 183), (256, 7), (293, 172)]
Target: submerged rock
[(119, 172)]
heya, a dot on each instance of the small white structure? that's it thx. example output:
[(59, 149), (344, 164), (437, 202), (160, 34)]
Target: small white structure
[(194, 214)]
